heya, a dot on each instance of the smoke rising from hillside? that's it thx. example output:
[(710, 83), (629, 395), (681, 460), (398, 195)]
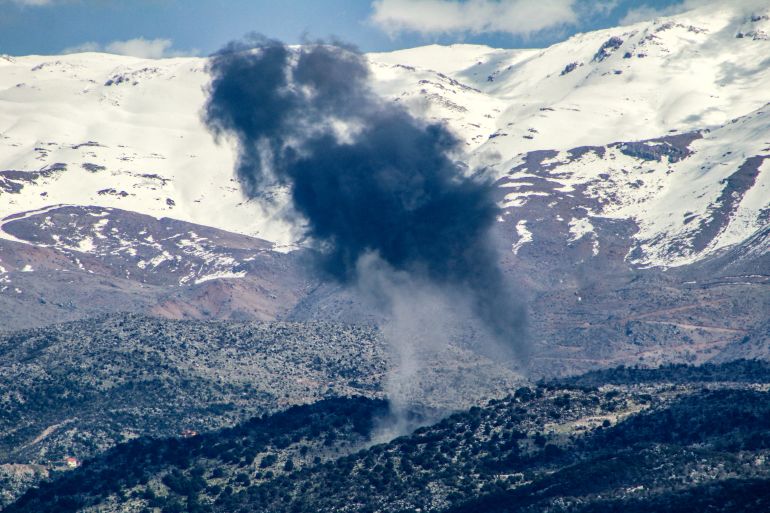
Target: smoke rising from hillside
[(368, 181)]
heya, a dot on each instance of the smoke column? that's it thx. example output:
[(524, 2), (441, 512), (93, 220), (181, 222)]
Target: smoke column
[(378, 192)]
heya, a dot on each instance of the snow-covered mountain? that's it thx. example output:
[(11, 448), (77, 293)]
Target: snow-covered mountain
[(97, 129), (639, 147)]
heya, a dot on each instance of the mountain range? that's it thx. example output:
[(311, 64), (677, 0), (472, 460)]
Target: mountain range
[(631, 167), (165, 344)]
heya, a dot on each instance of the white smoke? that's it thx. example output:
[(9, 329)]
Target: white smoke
[(430, 331)]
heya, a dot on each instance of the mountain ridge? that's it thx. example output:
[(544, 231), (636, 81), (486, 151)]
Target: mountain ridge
[(633, 206), (502, 103)]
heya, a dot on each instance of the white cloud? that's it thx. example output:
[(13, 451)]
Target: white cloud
[(646, 12), (32, 3), (138, 47), (84, 47), (602, 7), (141, 47), (518, 17)]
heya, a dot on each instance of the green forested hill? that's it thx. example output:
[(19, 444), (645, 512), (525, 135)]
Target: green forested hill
[(551, 447)]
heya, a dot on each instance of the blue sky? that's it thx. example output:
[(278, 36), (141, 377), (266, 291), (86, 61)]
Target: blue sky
[(170, 27)]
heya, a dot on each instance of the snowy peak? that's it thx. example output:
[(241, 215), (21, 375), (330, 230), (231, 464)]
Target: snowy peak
[(161, 251), (688, 195), (685, 73), (675, 110)]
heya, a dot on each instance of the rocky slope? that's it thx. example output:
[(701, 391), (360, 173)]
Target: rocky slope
[(69, 262), (77, 389)]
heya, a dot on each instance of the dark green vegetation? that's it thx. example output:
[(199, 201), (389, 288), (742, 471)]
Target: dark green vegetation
[(737, 371), (650, 441), (176, 472), (78, 388), (703, 452)]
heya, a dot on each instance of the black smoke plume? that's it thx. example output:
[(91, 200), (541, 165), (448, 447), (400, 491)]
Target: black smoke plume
[(364, 175)]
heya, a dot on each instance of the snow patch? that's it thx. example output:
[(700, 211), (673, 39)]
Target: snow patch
[(579, 228), (86, 245), (525, 236), (219, 275)]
